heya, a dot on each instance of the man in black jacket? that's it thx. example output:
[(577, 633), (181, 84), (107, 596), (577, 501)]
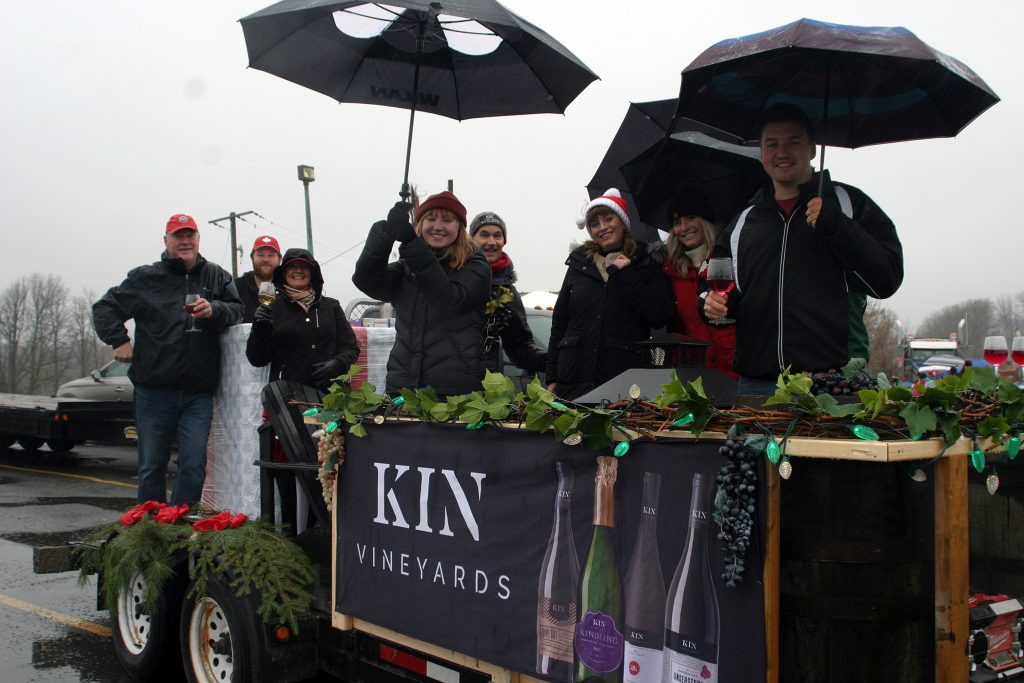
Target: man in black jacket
[(796, 258), (265, 257), (176, 356)]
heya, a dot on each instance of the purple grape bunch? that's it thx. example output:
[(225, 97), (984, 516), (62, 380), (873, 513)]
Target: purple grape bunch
[(837, 384), (736, 504)]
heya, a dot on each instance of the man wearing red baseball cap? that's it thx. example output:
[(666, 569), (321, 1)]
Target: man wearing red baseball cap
[(180, 306), (265, 256)]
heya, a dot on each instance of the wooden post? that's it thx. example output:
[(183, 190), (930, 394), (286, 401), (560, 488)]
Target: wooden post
[(772, 573), (952, 546)]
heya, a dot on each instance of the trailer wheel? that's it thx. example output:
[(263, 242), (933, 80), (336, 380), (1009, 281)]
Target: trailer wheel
[(147, 644), (60, 445), (30, 443), (6, 440), (220, 635)]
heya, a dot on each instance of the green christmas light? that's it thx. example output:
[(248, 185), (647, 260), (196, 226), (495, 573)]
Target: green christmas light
[(621, 449), (475, 426), (399, 401), (560, 406), (864, 432), (773, 452), (978, 460), (331, 427), (1013, 447), (683, 421), (310, 412)]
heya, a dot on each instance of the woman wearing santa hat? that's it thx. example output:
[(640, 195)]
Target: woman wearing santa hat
[(613, 294), (438, 286)]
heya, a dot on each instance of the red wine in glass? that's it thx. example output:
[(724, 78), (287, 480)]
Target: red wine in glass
[(997, 356), (721, 285), (191, 301), (1017, 350), (721, 281)]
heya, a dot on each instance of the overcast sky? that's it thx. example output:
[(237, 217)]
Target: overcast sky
[(117, 114)]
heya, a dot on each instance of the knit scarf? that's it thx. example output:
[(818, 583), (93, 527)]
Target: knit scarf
[(303, 297), (499, 266)]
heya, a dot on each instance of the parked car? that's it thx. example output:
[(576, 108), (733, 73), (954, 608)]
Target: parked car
[(109, 383), (937, 366), (539, 306)]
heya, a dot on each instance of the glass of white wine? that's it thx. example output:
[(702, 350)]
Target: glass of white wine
[(190, 307), (267, 294)]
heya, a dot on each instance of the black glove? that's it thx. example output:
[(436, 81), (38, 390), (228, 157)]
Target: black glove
[(263, 314), (325, 371), (398, 222)]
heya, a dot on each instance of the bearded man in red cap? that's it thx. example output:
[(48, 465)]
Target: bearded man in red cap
[(180, 306), (265, 257)]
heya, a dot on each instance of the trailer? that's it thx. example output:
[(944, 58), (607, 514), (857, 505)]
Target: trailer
[(62, 423)]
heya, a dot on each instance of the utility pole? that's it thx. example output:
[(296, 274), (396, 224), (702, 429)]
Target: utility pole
[(234, 237), (307, 174)]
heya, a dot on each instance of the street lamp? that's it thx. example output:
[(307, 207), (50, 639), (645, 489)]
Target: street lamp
[(307, 175)]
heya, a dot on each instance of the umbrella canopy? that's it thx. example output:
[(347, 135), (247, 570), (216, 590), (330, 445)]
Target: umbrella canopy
[(460, 58), (726, 174), (861, 85), (645, 124)]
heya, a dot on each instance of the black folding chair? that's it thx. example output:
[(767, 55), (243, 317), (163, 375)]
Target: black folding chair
[(294, 435)]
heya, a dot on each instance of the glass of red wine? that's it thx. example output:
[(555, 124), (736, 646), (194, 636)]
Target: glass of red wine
[(721, 281), (1017, 350), (190, 307), (995, 351)]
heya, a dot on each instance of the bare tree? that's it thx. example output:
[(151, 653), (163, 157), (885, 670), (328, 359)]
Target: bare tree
[(979, 317), (1008, 315), (83, 345), (885, 339), (13, 311)]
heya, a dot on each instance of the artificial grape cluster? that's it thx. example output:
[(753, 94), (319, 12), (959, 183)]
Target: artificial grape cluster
[(736, 502), (835, 383), (331, 454)]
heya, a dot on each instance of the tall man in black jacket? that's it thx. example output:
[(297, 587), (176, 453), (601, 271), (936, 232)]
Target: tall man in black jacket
[(796, 258), (176, 356)]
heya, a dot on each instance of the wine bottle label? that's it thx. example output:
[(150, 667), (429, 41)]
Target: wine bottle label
[(680, 668), (643, 664), (599, 642), (555, 622)]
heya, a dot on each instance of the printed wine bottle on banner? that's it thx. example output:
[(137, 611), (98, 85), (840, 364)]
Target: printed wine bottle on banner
[(598, 638), (556, 592), (691, 615), (645, 595)]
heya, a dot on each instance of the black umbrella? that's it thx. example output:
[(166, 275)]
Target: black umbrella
[(726, 174), (401, 54), (861, 85), (645, 124)]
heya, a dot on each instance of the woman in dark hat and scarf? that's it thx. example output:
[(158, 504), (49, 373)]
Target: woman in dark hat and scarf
[(438, 286)]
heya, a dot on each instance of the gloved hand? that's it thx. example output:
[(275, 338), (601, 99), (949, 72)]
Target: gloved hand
[(398, 222), (263, 314), (325, 371)]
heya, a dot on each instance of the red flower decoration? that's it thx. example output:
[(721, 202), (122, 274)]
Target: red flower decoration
[(171, 514), (237, 520), (215, 522), (139, 511)]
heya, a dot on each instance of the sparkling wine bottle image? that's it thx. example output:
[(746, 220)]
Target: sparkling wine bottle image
[(645, 595), (691, 615), (556, 592), (598, 638)]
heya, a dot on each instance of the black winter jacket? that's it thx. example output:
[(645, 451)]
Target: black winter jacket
[(249, 294), (792, 281), (164, 354), (595, 325), (508, 329), (298, 339), (439, 313)]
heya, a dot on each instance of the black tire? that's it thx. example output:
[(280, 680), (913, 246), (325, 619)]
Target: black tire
[(221, 636), (60, 445), (30, 443), (147, 644), (6, 440)]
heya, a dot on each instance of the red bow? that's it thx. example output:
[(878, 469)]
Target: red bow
[(171, 514), (220, 521), (140, 511)]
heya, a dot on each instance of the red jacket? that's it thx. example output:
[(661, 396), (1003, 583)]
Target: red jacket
[(688, 321)]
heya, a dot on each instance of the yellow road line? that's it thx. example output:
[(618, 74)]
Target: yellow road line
[(96, 480), (59, 617)]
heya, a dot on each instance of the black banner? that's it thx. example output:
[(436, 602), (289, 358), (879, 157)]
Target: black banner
[(485, 542)]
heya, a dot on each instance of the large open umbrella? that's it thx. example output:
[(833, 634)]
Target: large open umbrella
[(861, 85), (726, 174), (461, 59), (645, 124)]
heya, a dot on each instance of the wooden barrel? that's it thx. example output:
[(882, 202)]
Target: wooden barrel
[(997, 529), (857, 574)]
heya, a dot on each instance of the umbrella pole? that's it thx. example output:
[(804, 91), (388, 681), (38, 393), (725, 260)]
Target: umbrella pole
[(406, 191), (821, 170), (821, 132)]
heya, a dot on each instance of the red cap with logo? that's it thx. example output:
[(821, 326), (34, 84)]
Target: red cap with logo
[(180, 221), (265, 241)]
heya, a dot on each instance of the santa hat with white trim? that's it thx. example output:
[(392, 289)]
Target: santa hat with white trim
[(612, 199)]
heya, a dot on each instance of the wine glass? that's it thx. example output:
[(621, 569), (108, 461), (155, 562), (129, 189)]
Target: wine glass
[(720, 280), (995, 351), (1017, 350), (267, 293), (190, 307)]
